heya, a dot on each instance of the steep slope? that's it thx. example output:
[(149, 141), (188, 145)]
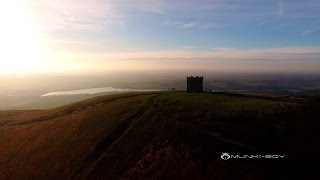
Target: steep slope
[(55, 142), (154, 135)]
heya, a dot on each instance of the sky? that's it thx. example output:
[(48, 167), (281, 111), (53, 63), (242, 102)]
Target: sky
[(88, 36)]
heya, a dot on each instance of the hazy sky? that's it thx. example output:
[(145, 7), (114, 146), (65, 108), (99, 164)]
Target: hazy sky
[(136, 35)]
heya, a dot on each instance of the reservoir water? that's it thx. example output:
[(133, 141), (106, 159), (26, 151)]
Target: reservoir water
[(96, 90)]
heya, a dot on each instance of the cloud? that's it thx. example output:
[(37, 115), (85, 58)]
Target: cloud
[(288, 53), (300, 54), (223, 49), (212, 25), (183, 24), (73, 15), (289, 59), (152, 6), (260, 24), (188, 47), (310, 31), (188, 25), (171, 22)]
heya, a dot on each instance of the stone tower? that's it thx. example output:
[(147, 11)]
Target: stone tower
[(194, 84)]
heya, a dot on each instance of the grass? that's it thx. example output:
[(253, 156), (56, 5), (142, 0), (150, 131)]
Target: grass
[(157, 135)]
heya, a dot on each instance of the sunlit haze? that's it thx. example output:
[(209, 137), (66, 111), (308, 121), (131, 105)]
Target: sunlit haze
[(80, 36), (159, 89)]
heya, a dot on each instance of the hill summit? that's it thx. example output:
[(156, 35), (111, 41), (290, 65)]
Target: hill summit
[(159, 135)]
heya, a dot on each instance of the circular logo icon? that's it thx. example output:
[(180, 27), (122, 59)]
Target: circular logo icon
[(225, 156)]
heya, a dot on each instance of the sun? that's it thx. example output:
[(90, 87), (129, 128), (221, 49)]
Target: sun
[(19, 41)]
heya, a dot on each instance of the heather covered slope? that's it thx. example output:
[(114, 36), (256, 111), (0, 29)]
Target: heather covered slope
[(158, 135)]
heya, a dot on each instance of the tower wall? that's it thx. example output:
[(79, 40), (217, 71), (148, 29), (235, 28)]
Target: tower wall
[(194, 84)]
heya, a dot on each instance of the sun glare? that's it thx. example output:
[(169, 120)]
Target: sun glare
[(19, 42)]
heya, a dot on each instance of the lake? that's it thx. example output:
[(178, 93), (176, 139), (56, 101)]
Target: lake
[(95, 91)]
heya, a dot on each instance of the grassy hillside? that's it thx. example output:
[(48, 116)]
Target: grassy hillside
[(160, 135)]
